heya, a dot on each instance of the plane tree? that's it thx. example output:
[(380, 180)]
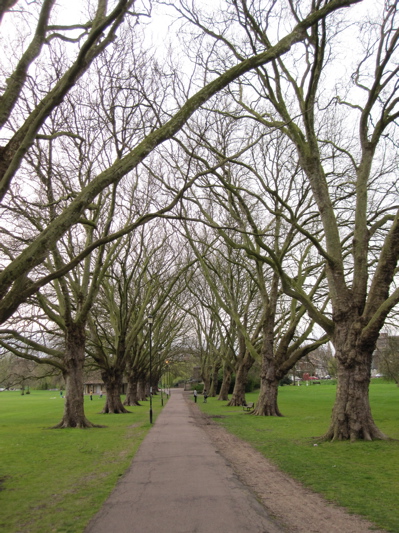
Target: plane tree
[(387, 355), (56, 167), (147, 278), (52, 329), (270, 327), (251, 192), (358, 187), (44, 33), (231, 294), (345, 137), (119, 315), (20, 276), (203, 311), (17, 373)]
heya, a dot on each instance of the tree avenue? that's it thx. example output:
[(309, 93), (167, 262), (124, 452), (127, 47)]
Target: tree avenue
[(15, 285), (350, 170), (287, 152), (281, 332)]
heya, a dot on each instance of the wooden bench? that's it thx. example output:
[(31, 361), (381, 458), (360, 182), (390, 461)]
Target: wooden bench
[(249, 406)]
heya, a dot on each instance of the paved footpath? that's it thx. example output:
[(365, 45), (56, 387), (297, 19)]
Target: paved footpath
[(179, 483)]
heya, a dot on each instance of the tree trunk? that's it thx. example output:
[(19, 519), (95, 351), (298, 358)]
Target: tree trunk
[(131, 393), (267, 401), (351, 417), (141, 390), (214, 380), (224, 389), (207, 384), (113, 385), (269, 377), (154, 384), (74, 416), (238, 396), (147, 390)]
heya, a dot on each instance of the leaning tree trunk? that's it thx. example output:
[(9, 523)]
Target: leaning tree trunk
[(238, 396), (74, 416), (131, 393), (224, 389), (351, 417), (113, 386)]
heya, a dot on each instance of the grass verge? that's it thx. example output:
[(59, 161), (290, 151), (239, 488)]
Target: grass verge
[(363, 476), (56, 480)]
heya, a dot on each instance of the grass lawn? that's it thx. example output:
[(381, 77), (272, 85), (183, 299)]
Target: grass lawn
[(55, 480), (363, 476)]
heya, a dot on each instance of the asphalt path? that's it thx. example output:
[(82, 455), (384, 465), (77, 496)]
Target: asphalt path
[(179, 483)]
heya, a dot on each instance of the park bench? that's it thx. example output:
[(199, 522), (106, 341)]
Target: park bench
[(249, 406)]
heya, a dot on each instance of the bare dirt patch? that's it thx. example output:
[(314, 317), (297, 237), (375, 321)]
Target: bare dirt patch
[(299, 509)]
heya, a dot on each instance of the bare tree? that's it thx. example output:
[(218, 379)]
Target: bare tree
[(255, 199), (148, 277), (15, 284), (57, 336), (92, 38), (350, 173), (18, 373)]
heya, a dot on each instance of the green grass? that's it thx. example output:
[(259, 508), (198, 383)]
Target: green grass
[(362, 476), (56, 480)]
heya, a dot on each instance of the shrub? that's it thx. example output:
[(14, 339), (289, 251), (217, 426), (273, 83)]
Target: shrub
[(199, 387)]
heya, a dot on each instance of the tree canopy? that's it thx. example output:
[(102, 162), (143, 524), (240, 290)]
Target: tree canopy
[(263, 151)]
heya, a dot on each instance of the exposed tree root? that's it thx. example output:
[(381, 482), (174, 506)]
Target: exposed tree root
[(119, 410), (236, 402), (81, 424), (134, 403), (338, 433)]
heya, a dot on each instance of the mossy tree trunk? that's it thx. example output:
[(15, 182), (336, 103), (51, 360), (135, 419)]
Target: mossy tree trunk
[(113, 381), (224, 389), (131, 393), (207, 383), (141, 389), (214, 378), (243, 367), (74, 359), (351, 417), (266, 404)]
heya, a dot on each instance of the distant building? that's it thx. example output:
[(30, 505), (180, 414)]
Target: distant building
[(94, 383)]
